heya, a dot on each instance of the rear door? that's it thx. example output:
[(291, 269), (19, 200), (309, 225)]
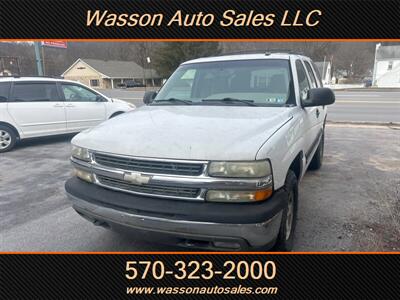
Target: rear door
[(84, 108), (309, 116), (316, 83), (319, 112), (313, 115), (37, 108)]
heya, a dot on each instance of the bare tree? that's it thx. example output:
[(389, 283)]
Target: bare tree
[(356, 59)]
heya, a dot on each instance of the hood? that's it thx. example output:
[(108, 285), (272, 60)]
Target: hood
[(120, 101), (187, 132)]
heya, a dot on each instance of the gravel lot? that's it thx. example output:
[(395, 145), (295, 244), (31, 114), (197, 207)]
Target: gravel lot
[(351, 204)]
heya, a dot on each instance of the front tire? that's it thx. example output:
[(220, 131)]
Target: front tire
[(285, 237), (8, 138)]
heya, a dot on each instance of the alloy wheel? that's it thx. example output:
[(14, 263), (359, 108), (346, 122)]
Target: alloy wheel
[(289, 216), (5, 139)]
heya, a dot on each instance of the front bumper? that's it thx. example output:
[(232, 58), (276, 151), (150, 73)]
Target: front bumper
[(206, 225)]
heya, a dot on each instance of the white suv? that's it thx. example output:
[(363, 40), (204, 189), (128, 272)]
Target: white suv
[(214, 159), (40, 106)]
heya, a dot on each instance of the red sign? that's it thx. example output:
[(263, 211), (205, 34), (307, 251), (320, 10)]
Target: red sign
[(55, 44)]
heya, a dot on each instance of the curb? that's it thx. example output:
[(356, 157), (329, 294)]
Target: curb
[(366, 123), (367, 89)]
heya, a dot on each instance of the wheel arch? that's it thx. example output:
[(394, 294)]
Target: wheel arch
[(297, 165), (117, 113), (12, 127)]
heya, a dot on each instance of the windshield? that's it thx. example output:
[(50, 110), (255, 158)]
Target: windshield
[(266, 82)]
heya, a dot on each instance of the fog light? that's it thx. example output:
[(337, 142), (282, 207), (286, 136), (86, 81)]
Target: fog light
[(86, 176), (238, 196)]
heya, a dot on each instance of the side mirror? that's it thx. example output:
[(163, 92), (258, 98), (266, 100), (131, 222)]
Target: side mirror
[(149, 97), (319, 97)]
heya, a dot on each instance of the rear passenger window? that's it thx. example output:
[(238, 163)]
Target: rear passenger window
[(4, 90), (311, 74), (304, 85), (35, 92), (318, 74)]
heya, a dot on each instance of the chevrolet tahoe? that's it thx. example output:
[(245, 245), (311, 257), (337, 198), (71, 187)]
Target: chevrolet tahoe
[(214, 158)]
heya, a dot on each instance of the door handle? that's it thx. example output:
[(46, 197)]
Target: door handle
[(69, 105), (58, 105)]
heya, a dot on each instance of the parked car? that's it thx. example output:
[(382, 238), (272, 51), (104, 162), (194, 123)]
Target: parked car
[(131, 84), (40, 106), (215, 158)]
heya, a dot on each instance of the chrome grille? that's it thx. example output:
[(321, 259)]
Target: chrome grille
[(149, 189), (148, 166)]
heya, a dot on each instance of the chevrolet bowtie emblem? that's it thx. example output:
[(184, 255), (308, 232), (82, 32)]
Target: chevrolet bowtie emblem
[(137, 178)]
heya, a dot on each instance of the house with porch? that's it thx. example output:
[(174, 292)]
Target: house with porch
[(109, 74)]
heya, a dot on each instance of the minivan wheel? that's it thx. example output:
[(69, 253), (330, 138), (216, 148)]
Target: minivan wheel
[(316, 161), (8, 138), (285, 237)]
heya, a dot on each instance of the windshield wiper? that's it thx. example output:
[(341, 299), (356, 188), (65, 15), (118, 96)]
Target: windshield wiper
[(231, 100), (187, 102)]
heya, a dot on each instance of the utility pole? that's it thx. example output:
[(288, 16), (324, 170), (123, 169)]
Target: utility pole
[(38, 59), (43, 62), (151, 71)]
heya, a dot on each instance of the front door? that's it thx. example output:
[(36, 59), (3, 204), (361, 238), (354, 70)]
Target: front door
[(37, 108), (82, 106)]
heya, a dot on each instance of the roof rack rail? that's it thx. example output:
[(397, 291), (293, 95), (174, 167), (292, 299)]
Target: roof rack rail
[(263, 51), (287, 51), (35, 76), (243, 52)]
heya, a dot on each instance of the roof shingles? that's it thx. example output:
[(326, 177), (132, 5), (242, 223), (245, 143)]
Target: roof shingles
[(388, 52), (119, 69)]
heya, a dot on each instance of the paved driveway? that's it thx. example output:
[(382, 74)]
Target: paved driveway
[(351, 204)]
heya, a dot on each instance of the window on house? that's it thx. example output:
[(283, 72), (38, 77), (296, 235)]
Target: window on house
[(94, 82), (390, 65)]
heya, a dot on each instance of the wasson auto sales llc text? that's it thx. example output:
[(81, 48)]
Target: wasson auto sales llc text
[(252, 18)]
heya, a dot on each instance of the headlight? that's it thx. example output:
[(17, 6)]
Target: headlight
[(80, 153), (249, 169), (238, 196), (131, 105)]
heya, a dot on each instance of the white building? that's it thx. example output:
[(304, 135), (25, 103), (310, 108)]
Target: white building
[(387, 66)]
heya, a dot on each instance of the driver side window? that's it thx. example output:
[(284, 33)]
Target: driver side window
[(304, 85), (78, 93)]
